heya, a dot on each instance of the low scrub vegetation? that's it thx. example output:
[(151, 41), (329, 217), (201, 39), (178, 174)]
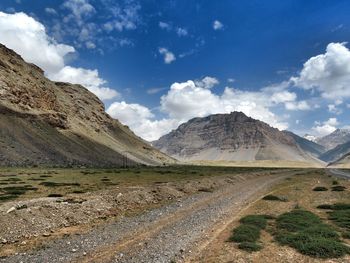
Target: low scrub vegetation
[(320, 189), (274, 198), (306, 232), (338, 188), (248, 233)]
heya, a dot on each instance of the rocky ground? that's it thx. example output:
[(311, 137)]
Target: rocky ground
[(178, 215)]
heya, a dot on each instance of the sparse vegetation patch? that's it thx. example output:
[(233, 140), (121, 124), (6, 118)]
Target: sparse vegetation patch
[(274, 198), (306, 232)]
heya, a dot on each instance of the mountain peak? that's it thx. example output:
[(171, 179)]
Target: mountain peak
[(229, 137)]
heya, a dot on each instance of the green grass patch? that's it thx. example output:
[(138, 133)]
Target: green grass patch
[(306, 232), (341, 218), (245, 233), (258, 221)]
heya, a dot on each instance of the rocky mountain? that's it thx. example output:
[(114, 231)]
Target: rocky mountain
[(235, 137), (336, 153), (306, 145), (339, 136), (51, 123)]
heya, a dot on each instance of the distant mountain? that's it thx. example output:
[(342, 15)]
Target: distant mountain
[(308, 146), (339, 136), (336, 153), (235, 137), (60, 124)]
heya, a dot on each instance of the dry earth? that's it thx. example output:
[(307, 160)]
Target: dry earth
[(179, 215)]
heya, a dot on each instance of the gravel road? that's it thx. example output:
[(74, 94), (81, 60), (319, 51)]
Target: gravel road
[(166, 234)]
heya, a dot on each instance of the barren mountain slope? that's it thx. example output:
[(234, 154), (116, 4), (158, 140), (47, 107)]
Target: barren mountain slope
[(337, 153), (338, 137), (231, 137), (44, 122)]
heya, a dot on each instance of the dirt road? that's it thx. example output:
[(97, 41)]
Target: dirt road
[(171, 233)]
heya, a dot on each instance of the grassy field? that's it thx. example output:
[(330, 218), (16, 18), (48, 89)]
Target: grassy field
[(25, 183)]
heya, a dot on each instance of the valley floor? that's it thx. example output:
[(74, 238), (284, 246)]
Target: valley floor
[(182, 214)]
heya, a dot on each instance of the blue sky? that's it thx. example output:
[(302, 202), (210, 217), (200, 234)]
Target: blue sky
[(156, 64)]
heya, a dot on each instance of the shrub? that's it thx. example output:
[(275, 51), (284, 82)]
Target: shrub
[(338, 188), (346, 235), (297, 220), (341, 218), (274, 198), (258, 221), (335, 182), (320, 189), (305, 232), (249, 246), (54, 195), (245, 233), (325, 206)]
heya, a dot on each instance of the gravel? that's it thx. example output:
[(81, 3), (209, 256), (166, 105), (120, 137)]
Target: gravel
[(159, 235)]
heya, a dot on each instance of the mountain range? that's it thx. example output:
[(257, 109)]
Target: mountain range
[(237, 137), (60, 124)]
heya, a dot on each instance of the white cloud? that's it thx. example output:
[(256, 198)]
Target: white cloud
[(326, 127), (181, 32), (79, 8), (297, 105), (141, 120), (86, 77), (164, 25), (207, 82), (50, 11), (187, 100), (231, 80), (217, 25), (155, 90), (333, 109), (327, 73), (44, 51), (17, 29), (168, 56)]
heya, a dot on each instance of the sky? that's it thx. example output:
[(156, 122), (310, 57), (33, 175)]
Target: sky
[(157, 64)]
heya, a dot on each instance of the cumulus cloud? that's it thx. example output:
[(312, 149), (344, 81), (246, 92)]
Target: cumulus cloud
[(86, 77), (327, 127), (217, 25), (169, 57), (44, 51), (40, 49), (164, 25), (328, 73), (79, 10), (181, 32), (189, 99), (141, 120), (207, 82)]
